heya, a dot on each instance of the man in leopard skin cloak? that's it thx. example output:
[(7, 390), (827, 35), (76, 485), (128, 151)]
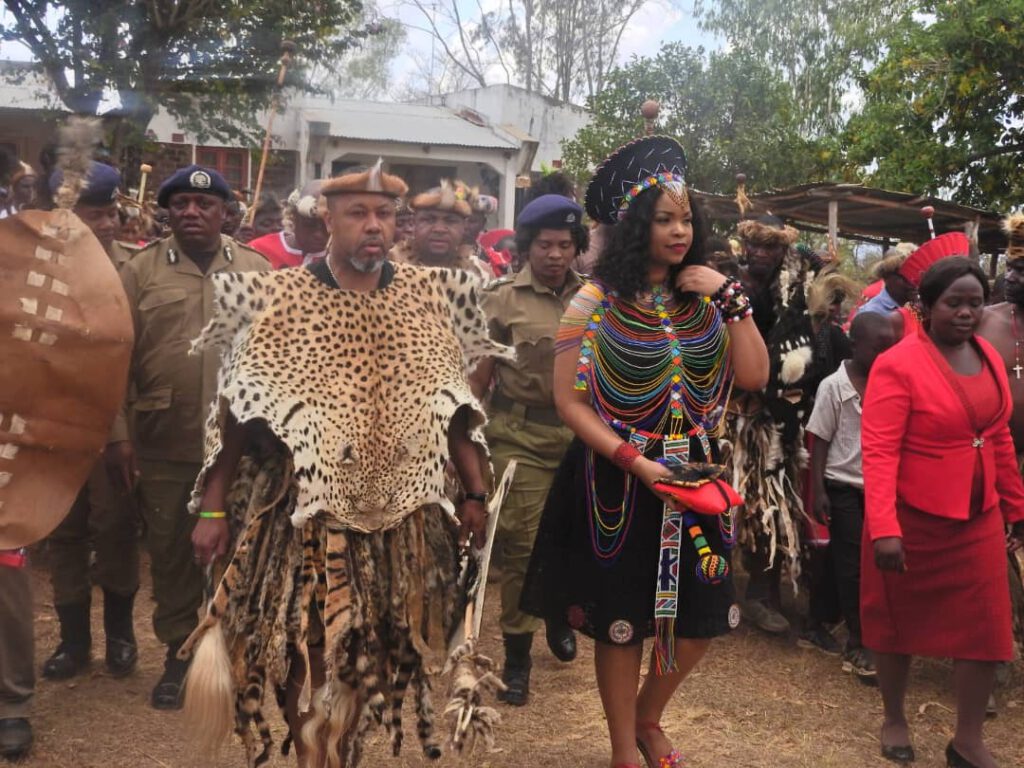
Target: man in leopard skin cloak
[(342, 399)]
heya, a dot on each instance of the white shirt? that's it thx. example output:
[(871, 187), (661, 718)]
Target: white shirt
[(836, 418)]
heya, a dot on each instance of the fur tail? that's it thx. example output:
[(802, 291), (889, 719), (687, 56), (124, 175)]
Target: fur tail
[(210, 693)]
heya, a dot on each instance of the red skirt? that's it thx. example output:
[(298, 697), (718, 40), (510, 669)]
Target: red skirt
[(954, 599)]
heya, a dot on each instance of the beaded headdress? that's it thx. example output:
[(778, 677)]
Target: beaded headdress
[(653, 161)]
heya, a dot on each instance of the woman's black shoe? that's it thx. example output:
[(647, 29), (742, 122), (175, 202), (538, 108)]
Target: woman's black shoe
[(899, 753), (955, 760)]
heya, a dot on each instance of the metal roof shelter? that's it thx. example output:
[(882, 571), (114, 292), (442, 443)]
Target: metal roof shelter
[(856, 212)]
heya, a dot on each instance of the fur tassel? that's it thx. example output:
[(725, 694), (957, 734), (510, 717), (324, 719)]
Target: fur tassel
[(210, 693), (78, 139)]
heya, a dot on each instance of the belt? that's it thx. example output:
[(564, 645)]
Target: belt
[(537, 414)]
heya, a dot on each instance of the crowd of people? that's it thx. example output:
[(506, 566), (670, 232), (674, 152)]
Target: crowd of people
[(322, 395)]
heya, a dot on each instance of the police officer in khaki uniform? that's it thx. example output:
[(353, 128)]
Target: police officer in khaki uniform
[(103, 519), (524, 310), (170, 292)]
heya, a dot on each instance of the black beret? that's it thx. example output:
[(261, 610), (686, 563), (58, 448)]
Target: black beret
[(194, 178), (551, 212)]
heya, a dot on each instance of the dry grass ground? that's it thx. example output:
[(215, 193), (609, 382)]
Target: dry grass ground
[(756, 702)]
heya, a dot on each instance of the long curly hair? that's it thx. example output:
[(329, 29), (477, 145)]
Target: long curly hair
[(623, 263)]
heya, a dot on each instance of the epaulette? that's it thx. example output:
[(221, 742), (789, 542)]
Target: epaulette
[(132, 247), (498, 282)]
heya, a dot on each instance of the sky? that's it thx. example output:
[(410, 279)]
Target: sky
[(660, 21)]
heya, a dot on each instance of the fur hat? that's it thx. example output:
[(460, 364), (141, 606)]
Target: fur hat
[(1013, 226), (450, 196), (372, 180), (305, 202), (892, 260), (760, 232)]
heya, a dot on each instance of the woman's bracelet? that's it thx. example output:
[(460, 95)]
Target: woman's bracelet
[(732, 302), (212, 514), (624, 456)]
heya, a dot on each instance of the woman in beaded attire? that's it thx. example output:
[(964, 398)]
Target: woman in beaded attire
[(647, 356)]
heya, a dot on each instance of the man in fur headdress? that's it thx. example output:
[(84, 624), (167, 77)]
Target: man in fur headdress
[(304, 237), (329, 458), (440, 216), (769, 454)]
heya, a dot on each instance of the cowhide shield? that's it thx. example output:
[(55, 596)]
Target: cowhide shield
[(65, 344), (361, 387)]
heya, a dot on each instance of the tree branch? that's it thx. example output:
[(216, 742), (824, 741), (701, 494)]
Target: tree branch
[(444, 44)]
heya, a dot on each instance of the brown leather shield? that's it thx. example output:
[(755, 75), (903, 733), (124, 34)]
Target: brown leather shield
[(65, 344)]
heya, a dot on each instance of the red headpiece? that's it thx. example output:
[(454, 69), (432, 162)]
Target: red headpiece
[(949, 244)]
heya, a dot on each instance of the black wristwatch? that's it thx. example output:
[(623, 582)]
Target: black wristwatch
[(481, 497)]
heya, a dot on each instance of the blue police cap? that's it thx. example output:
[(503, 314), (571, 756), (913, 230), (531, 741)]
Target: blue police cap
[(551, 212), (100, 188), (194, 178)]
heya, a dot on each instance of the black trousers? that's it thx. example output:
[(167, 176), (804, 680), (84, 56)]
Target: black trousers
[(845, 529)]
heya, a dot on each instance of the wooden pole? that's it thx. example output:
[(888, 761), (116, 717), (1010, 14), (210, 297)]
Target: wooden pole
[(833, 228), (144, 170), (287, 49)]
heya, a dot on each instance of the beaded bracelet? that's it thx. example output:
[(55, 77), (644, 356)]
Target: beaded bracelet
[(624, 456), (215, 514), (732, 302)]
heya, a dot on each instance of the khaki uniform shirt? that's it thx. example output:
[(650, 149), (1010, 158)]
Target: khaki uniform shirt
[(121, 253), (171, 302), (524, 313)]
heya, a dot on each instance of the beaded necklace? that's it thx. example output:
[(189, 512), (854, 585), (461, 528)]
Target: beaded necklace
[(656, 374)]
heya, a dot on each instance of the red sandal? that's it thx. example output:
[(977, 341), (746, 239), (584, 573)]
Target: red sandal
[(673, 759)]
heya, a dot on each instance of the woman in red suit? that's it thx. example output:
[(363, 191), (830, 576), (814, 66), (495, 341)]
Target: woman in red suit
[(941, 483)]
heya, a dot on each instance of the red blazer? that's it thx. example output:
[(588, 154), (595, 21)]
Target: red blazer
[(919, 445)]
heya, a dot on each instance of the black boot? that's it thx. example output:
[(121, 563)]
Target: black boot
[(169, 690), (72, 655), (15, 737), (561, 640), (122, 652), (516, 674)]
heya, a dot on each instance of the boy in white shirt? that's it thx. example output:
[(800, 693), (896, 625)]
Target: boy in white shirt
[(836, 471)]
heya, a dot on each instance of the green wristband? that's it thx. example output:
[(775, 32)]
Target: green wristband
[(213, 514)]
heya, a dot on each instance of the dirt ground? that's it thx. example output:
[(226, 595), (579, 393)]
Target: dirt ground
[(755, 702)]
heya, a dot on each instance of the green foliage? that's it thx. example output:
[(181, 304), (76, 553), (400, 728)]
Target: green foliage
[(818, 46), (944, 111), (211, 63), (728, 109)]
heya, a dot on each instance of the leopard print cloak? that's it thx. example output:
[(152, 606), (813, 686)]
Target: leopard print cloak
[(344, 534)]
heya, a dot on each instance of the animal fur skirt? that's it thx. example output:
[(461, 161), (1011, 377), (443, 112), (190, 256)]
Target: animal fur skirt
[(767, 474), (383, 606)]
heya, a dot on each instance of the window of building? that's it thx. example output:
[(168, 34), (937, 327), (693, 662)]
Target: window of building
[(232, 164)]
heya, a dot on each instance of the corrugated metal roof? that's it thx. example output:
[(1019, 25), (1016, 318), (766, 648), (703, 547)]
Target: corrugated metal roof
[(864, 213), (407, 123)]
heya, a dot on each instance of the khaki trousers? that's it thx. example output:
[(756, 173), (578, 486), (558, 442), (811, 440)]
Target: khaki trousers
[(164, 490), (17, 643), (104, 521), (538, 449)]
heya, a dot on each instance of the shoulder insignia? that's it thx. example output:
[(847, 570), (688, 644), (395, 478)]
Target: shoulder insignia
[(498, 282)]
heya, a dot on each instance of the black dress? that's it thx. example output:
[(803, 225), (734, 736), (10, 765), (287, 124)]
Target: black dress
[(608, 592)]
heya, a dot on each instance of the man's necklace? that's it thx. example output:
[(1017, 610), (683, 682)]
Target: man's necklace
[(330, 268), (1017, 367)]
